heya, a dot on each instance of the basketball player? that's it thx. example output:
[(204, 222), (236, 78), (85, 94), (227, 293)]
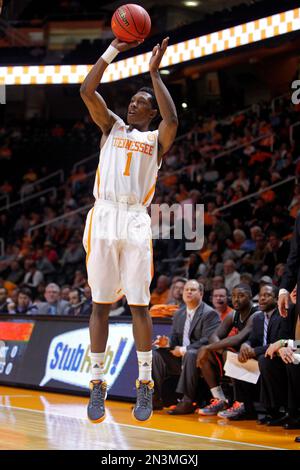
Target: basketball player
[(117, 236)]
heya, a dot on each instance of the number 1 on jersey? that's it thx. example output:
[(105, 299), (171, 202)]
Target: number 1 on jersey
[(127, 168)]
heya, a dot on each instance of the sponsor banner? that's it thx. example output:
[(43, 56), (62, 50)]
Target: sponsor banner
[(68, 358), (54, 354), (14, 338)]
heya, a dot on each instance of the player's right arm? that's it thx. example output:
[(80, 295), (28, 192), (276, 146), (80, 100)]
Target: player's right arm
[(101, 115)]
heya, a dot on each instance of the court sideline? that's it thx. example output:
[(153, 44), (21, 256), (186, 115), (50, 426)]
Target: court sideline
[(38, 420)]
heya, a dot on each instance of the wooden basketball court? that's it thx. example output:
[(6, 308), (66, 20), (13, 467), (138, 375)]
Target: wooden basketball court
[(37, 420)]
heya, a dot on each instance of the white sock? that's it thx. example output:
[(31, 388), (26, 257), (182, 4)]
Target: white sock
[(145, 365), (217, 392), (97, 365)]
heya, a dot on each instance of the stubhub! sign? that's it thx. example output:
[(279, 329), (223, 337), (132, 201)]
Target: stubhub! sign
[(68, 358)]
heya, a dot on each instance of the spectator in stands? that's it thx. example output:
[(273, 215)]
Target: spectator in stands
[(14, 295), (232, 277), (71, 259), (217, 282), (88, 296), (279, 271), (220, 297), (33, 277), (161, 293), (24, 303), (43, 264), (176, 356), (176, 292), (252, 262), (50, 252), (79, 280), (250, 244), (3, 300), (214, 266), (241, 181), (16, 273), (65, 291), (53, 305), (211, 357), (78, 305), (220, 227), (239, 238), (278, 253), (246, 278), (266, 329)]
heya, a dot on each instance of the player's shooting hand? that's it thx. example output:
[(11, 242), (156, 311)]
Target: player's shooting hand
[(125, 46), (157, 54)]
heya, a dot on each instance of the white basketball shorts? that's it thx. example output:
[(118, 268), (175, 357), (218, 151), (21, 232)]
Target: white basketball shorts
[(118, 244)]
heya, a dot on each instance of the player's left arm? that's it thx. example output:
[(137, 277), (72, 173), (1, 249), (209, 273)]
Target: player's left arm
[(168, 126)]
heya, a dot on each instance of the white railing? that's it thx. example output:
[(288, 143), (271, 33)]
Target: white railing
[(257, 193), (29, 186), (60, 217), (215, 157), (292, 127), (29, 198), (238, 147), (6, 197), (2, 247), (84, 160), (255, 107)]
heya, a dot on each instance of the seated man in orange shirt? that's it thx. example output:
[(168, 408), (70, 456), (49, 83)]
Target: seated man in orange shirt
[(161, 293), (219, 299)]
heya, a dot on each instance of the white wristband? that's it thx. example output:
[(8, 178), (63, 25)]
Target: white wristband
[(110, 53)]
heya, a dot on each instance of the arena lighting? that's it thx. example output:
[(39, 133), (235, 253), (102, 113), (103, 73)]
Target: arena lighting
[(195, 48), (184, 105), (191, 4)]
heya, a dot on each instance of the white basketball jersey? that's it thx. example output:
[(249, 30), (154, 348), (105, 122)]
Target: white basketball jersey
[(127, 169)]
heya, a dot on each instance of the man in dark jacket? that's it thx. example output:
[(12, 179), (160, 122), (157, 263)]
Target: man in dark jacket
[(192, 325), (290, 279), (280, 376), (266, 329)]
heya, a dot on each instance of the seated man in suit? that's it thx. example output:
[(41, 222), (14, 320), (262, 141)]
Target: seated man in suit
[(192, 325), (280, 376), (266, 329), (211, 357)]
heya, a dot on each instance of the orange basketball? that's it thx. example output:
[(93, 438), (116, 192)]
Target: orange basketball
[(130, 23)]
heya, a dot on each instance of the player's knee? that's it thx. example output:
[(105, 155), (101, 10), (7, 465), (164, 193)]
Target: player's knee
[(139, 310), (101, 309)]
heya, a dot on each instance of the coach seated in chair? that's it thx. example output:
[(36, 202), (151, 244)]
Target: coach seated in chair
[(176, 356)]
